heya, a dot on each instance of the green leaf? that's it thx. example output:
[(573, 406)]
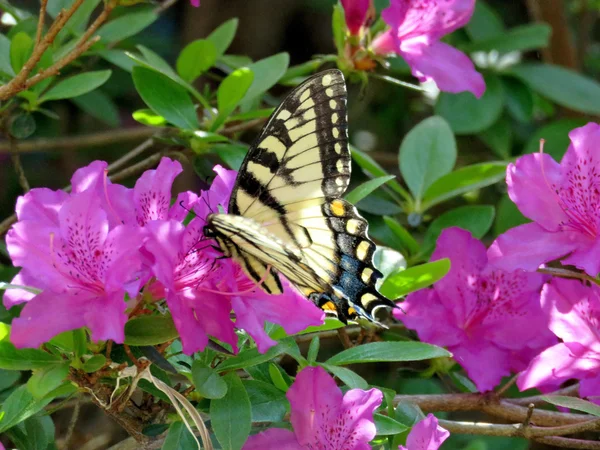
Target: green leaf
[(43, 381), (128, 24), (485, 23), (370, 166), (74, 341), (331, 323), (252, 357), (150, 330), (8, 378), (165, 97), (427, 152), (268, 403), (386, 426), (277, 378), (563, 86), (469, 115), (556, 137), (232, 154), (477, 219), (21, 47), (99, 105), (95, 363), (119, 58), (388, 352), (179, 438), (230, 93), (267, 73), (5, 62), (347, 376), (338, 25), (573, 403), (22, 125), (463, 180), (508, 216), (12, 358), (313, 349), (499, 137), (223, 35), (195, 59), (367, 188), (231, 415), (36, 437), (148, 117), (388, 261), (409, 245), (414, 278), (519, 99), (525, 37), (76, 85), (208, 382)]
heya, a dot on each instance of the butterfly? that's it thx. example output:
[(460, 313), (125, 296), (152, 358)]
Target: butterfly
[(286, 214)]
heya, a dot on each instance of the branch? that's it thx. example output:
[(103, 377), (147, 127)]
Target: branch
[(570, 443), (491, 405), (40, 25), (566, 273), (571, 391), (71, 143)]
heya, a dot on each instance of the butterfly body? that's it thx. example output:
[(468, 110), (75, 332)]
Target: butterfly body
[(286, 214)]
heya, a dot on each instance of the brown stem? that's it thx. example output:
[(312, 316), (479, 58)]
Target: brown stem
[(346, 342), (72, 423), (569, 443), (566, 273), (40, 25), (16, 160), (139, 167)]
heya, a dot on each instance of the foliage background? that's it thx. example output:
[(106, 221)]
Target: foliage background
[(519, 108)]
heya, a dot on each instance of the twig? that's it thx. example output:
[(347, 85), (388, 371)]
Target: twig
[(72, 423), (16, 160), (19, 82), (571, 391), (569, 443), (243, 126), (527, 421), (131, 154), (491, 405), (565, 273), (41, 19), (344, 338), (164, 6), (500, 392), (82, 141), (519, 430), (137, 168)]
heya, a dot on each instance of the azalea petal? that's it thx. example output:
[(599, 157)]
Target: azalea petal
[(105, 317), (555, 365), (182, 206), (121, 259), (530, 186), (450, 68), (45, 316), (252, 311), (355, 427), (41, 204), (14, 297), (590, 387), (278, 438), (585, 256), (426, 435), (458, 289), (191, 332), (152, 191), (423, 312), (355, 12), (164, 244), (485, 363), (218, 194), (315, 400), (89, 177), (572, 308), (528, 246)]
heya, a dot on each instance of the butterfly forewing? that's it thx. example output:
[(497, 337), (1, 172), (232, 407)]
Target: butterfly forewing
[(290, 185)]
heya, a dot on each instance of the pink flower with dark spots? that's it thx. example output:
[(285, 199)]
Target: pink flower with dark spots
[(489, 319), (322, 417), (355, 12), (574, 311), (202, 289), (563, 200), (416, 27), (82, 266), (425, 435), (152, 194)]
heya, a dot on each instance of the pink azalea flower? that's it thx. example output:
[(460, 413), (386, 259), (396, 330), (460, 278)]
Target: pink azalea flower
[(201, 290), (426, 435), (489, 319), (563, 200), (574, 311), (323, 417), (356, 14), (416, 29), (195, 3), (67, 249)]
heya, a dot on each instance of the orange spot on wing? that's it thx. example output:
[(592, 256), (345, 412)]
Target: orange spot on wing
[(337, 208)]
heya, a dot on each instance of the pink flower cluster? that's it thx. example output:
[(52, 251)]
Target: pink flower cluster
[(92, 252), (324, 418), (497, 318)]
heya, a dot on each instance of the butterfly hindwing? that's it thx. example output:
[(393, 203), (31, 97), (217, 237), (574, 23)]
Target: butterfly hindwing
[(286, 210)]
